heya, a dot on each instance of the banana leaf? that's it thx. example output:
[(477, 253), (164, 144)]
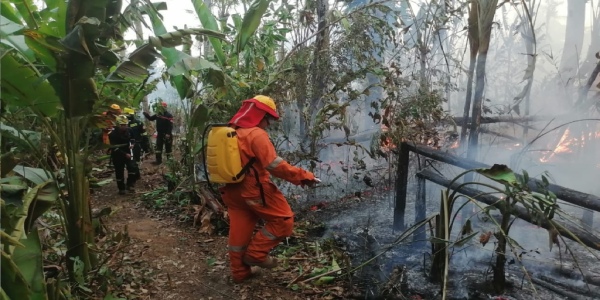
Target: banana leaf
[(172, 55), (209, 22), (21, 86), (250, 23), (29, 261), (14, 284), (200, 117)]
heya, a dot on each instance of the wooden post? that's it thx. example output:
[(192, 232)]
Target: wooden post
[(401, 185), (420, 211)]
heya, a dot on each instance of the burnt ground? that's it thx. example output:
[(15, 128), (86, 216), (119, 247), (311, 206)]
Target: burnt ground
[(169, 259)]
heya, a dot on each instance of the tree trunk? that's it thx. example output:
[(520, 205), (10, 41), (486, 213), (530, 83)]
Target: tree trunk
[(499, 281), (590, 61), (573, 38), (487, 10), (319, 65), (531, 48), (474, 45)]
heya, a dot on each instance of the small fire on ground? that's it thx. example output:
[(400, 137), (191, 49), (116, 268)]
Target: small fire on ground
[(568, 143)]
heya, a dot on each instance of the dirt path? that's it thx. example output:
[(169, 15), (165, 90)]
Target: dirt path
[(175, 260)]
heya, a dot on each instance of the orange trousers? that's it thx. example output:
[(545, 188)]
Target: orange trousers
[(244, 213)]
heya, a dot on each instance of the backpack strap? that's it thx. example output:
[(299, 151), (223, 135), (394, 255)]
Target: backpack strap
[(260, 187), (246, 168)]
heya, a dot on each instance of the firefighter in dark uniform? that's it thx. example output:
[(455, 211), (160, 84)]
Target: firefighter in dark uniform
[(122, 155), (138, 132), (164, 130)]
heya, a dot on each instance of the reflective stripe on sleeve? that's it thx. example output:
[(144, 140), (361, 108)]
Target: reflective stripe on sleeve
[(274, 164)]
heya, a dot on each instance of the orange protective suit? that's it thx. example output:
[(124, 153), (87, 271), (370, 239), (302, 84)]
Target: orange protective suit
[(246, 206)]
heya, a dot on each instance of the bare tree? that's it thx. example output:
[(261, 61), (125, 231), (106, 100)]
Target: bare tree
[(574, 34), (486, 11)]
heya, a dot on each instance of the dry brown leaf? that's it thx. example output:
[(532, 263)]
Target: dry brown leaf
[(484, 238)]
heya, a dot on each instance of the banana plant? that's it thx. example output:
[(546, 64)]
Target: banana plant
[(22, 266), (60, 64)]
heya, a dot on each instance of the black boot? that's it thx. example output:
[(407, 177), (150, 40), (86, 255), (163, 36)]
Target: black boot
[(158, 159), (121, 192)]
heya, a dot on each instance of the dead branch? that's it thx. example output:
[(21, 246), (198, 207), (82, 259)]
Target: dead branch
[(211, 201)]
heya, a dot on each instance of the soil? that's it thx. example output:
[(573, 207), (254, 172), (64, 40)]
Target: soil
[(176, 260)]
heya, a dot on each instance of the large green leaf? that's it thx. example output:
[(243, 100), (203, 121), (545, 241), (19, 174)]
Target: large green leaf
[(46, 47), (26, 141), (54, 17), (17, 219), (29, 261), (175, 38), (209, 22), (251, 22), (187, 64), (10, 35), (21, 86), (28, 12), (14, 284), (46, 198), (181, 83), (7, 11), (36, 175), (200, 117), (499, 173)]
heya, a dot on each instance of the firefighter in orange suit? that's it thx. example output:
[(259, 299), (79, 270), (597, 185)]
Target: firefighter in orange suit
[(249, 200)]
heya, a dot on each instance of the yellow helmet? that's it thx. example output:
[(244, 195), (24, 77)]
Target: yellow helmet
[(115, 107), (122, 120), (128, 111), (268, 105)]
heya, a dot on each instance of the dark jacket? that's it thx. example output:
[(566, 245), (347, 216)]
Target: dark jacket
[(164, 122), (138, 128), (116, 138)]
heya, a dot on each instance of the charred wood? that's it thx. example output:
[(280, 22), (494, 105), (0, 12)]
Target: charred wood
[(401, 186), (568, 195), (576, 289), (558, 290), (520, 212)]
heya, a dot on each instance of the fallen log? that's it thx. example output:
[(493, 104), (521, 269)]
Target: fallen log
[(569, 295), (211, 201), (503, 119), (568, 195), (520, 212), (576, 289)]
